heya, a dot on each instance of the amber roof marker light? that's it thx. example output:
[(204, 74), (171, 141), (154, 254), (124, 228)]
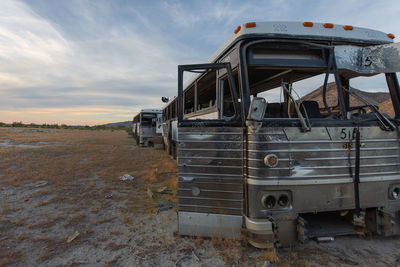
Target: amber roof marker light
[(308, 24), (328, 25), (348, 27), (250, 24), (391, 35), (238, 29)]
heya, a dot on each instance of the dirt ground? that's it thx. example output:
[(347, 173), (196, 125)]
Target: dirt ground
[(62, 203)]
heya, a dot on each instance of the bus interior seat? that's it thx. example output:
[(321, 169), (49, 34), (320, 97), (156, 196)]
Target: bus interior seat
[(274, 110), (228, 109), (312, 109)]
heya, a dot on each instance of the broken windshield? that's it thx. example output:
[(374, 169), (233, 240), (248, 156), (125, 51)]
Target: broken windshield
[(318, 89)]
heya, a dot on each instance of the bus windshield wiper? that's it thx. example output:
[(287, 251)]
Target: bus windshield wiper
[(386, 124)]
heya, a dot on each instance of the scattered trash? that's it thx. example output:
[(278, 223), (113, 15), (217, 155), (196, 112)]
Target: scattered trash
[(37, 184), (3, 238), (162, 189), (195, 255), (177, 263), (162, 205), (109, 196), (166, 175), (149, 193), (267, 264), (72, 237), (323, 239), (126, 177), (26, 200), (11, 256), (41, 183)]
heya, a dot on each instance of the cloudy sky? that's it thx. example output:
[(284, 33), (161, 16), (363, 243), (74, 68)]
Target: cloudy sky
[(92, 62)]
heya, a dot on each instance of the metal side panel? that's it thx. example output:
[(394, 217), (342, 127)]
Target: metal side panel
[(209, 225), (318, 167), (320, 156), (210, 170)]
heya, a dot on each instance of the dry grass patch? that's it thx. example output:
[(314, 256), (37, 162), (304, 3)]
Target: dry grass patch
[(75, 220), (81, 170), (232, 251), (105, 220), (20, 221), (49, 222)]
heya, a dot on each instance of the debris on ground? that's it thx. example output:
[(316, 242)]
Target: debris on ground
[(177, 263), (149, 193), (72, 237), (41, 183), (126, 177), (324, 239), (108, 196), (162, 205), (163, 190)]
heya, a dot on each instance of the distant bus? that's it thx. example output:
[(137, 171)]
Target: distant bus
[(147, 127), (261, 153), (170, 127)]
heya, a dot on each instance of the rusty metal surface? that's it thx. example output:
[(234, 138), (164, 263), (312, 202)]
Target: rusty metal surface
[(319, 156), (368, 60), (210, 170), (209, 225)]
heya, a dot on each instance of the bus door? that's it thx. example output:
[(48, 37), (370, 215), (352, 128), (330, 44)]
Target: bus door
[(210, 154), (159, 129)]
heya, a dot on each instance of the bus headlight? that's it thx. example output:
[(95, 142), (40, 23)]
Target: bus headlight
[(394, 192), (271, 160)]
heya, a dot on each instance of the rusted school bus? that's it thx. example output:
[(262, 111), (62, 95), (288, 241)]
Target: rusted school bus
[(257, 157), (170, 127), (147, 127)]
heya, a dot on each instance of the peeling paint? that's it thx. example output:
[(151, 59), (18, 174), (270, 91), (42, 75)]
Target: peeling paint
[(368, 60)]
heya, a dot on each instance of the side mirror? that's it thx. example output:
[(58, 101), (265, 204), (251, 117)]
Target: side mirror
[(257, 109)]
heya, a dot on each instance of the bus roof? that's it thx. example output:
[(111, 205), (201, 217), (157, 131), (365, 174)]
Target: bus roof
[(298, 30), (150, 110)]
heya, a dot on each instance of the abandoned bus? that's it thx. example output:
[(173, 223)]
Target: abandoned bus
[(146, 127), (291, 132), (170, 127)]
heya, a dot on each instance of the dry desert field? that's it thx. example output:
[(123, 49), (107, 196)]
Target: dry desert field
[(62, 203)]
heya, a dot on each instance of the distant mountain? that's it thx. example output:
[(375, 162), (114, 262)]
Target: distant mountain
[(380, 99), (122, 123), (387, 107)]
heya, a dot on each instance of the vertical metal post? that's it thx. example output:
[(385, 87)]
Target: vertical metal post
[(180, 94), (357, 173), (339, 88), (394, 89)]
